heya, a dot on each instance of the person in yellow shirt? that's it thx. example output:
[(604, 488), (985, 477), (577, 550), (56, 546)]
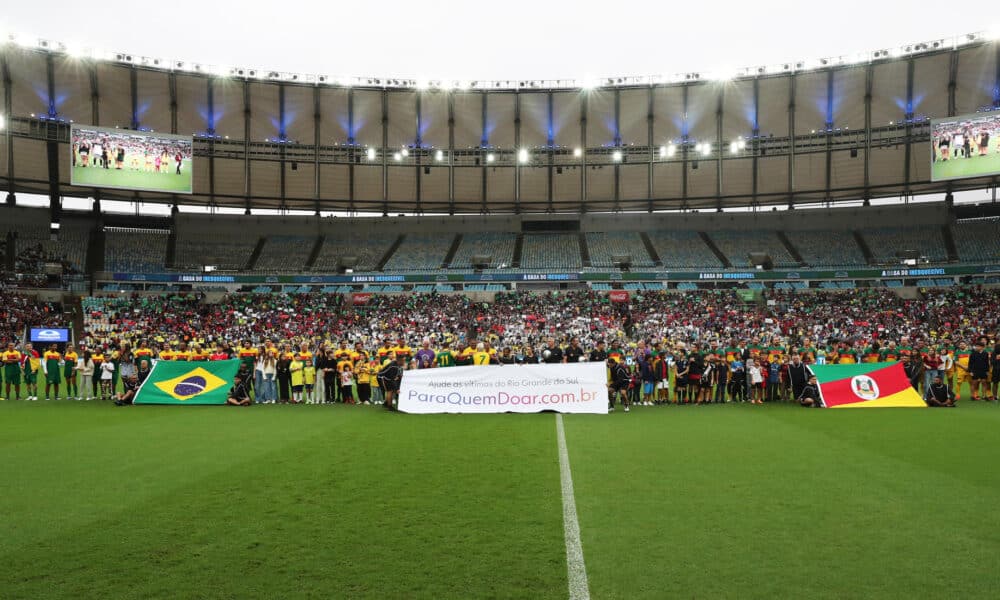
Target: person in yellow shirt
[(32, 363), (296, 367), (480, 357), (198, 354), (305, 356), (465, 356), (383, 351), (376, 392), (98, 358), (12, 370), (143, 351), (69, 373), (363, 377), (402, 349), (165, 354), (182, 354), (52, 363)]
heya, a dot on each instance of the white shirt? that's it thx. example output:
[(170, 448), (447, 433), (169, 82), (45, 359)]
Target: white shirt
[(107, 370)]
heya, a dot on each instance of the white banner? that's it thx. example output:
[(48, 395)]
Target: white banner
[(566, 388)]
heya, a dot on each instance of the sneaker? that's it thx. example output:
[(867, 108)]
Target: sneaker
[(626, 409), (611, 409)]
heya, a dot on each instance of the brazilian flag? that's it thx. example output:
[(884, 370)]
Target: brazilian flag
[(188, 383)]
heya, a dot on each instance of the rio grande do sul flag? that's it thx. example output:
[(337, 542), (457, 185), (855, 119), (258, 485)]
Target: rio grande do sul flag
[(188, 382), (867, 385)]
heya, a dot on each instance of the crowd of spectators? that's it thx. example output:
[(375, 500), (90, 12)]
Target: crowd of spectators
[(19, 312), (523, 318)]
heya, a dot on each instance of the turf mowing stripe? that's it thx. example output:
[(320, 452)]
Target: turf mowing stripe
[(575, 567)]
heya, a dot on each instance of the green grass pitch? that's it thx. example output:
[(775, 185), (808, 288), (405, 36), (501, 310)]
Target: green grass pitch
[(354, 502), (168, 182), (976, 166)]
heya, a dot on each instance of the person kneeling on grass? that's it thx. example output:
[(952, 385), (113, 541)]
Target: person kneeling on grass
[(130, 384), (940, 395), (810, 398), (238, 394)]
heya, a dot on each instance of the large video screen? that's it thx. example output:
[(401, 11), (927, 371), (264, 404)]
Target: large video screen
[(131, 160), (49, 335), (965, 146)]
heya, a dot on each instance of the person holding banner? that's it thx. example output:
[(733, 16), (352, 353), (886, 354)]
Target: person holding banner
[(389, 378)]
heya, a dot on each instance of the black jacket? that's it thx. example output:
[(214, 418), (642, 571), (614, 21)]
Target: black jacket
[(810, 391)]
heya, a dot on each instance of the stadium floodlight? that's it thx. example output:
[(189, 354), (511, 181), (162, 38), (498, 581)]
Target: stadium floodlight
[(706, 149), (577, 152), (522, 155), (3, 122), (616, 156), (741, 144), (371, 154), (396, 156), (663, 151), (733, 148), (588, 83), (422, 84), (439, 155), (993, 33), (671, 150), (491, 157), (404, 151)]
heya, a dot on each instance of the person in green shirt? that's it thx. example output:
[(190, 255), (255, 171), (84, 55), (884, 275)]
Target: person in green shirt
[(445, 357)]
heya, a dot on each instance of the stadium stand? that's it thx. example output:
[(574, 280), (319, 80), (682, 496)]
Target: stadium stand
[(35, 246), (886, 242), (824, 248), (420, 251), (605, 246), (683, 249), (285, 253), (978, 240), (193, 253), (738, 244), (135, 250), (369, 252), (499, 245), (551, 251)]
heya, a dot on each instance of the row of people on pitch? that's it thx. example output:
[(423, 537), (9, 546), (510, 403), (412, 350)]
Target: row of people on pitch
[(86, 374)]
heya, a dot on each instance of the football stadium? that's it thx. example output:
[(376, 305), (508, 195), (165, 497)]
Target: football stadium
[(281, 334)]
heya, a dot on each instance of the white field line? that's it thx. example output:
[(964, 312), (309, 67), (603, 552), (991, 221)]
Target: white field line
[(575, 567)]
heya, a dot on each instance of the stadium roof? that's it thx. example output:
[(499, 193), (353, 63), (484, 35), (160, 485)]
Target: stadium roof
[(840, 128)]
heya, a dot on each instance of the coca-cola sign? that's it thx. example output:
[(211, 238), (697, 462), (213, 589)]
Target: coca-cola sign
[(619, 296), (361, 298)]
